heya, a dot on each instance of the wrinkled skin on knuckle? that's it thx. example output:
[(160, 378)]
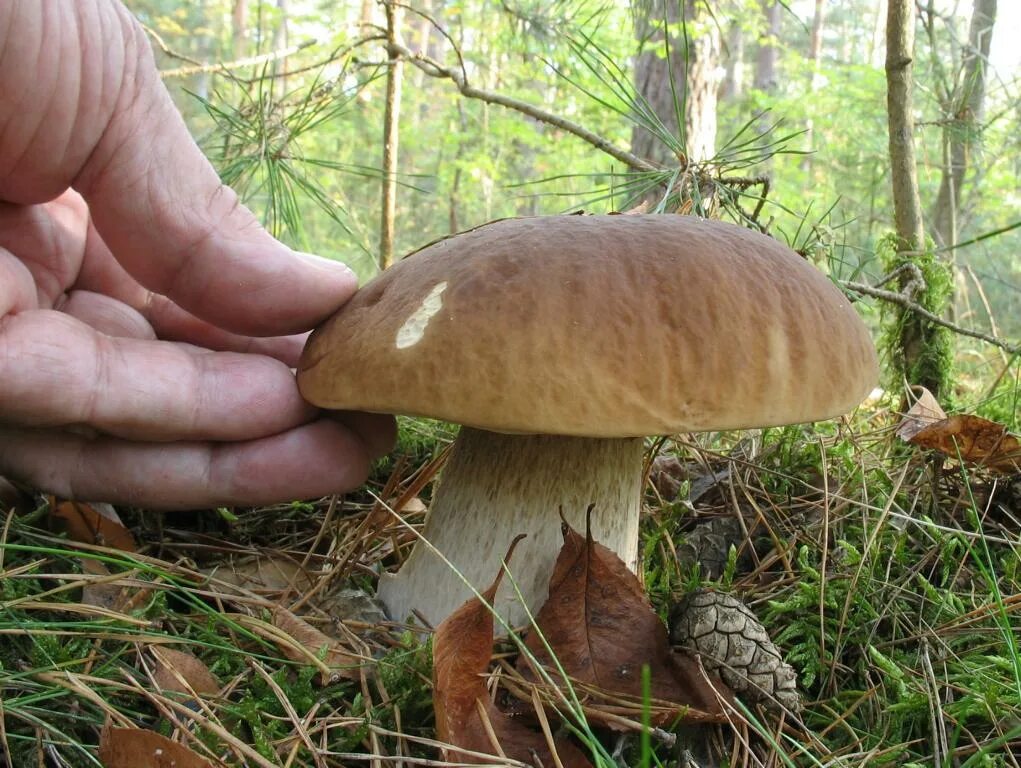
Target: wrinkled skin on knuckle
[(60, 94)]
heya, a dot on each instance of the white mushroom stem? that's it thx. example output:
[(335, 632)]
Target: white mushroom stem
[(495, 486)]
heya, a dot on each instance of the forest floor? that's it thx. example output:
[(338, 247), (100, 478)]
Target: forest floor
[(888, 576)]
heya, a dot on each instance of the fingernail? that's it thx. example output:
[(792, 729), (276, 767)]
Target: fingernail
[(337, 267)]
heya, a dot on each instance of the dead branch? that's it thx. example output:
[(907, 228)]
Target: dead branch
[(905, 302), (435, 69), (197, 67)]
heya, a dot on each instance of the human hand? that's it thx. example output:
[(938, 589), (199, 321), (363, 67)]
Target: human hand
[(147, 321)]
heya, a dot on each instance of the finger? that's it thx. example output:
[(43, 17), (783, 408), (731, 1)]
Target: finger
[(172, 322), (57, 371), (17, 288), (50, 240), (311, 461), (162, 210), (61, 249), (377, 431), (107, 316), (103, 274), (82, 105)]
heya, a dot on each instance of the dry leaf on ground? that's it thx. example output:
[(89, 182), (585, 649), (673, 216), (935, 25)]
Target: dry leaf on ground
[(925, 412), (181, 672), (109, 591), (308, 646), (465, 713), (139, 748), (266, 575), (85, 523), (602, 630), (98, 524), (974, 440)]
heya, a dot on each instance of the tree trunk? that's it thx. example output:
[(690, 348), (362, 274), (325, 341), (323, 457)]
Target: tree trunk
[(391, 123), (900, 43), (280, 36), (815, 41), (239, 28), (204, 50), (702, 83), (815, 58), (964, 117), (766, 78), (693, 61), (366, 15), (923, 353), (733, 79)]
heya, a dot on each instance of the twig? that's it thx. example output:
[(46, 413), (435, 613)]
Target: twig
[(434, 68), (747, 183), (904, 301), (337, 53), (226, 66), (163, 46)]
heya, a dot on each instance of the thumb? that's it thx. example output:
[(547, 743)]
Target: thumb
[(155, 199)]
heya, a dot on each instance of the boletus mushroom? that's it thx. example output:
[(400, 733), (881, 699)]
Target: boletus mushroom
[(559, 343)]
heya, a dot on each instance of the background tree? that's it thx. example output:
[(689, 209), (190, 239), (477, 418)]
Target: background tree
[(676, 74), (962, 101), (920, 350)]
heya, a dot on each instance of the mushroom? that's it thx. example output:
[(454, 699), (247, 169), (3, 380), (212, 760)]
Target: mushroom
[(559, 343)]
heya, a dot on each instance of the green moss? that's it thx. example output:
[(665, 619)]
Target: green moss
[(920, 352)]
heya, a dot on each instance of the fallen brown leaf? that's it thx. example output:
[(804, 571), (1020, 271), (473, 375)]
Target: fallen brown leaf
[(139, 748), (925, 412), (105, 592), (84, 523), (266, 575), (308, 647), (182, 672), (602, 629), (466, 716), (974, 440)]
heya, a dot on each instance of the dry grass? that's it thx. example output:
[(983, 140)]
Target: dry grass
[(891, 582)]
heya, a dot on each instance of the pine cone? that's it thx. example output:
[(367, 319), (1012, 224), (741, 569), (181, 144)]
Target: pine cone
[(709, 543), (730, 640)]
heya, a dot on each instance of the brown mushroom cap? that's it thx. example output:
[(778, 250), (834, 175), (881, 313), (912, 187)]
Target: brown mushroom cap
[(598, 326)]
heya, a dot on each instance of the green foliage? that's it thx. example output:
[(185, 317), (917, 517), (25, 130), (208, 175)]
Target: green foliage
[(898, 612), (405, 673), (259, 146)]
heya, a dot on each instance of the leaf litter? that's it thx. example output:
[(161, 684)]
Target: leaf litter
[(467, 717), (598, 627), (599, 630), (140, 748), (969, 438)]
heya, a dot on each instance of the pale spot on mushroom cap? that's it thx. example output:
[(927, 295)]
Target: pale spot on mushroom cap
[(411, 332)]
